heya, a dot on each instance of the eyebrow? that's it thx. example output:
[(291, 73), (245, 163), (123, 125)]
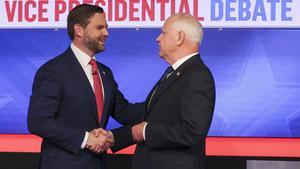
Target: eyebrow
[(102, 26)]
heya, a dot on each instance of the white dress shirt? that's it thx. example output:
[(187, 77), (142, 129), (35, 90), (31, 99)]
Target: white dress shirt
[(84, 60)]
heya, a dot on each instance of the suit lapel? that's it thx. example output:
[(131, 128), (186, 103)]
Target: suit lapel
[(161, 88), (150, 95), (169, 81), (79, 75)]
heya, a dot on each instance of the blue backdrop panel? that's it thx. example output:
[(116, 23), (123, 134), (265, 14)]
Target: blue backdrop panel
[(258, 85)]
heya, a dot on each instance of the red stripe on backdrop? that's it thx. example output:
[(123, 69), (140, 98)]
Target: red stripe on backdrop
[(19, 143), (216, 146)]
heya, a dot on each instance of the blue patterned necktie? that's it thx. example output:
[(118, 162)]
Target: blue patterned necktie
[(167, 73)]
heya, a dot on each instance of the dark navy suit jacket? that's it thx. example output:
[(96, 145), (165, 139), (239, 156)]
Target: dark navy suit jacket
[(63, 107), (179, 116)]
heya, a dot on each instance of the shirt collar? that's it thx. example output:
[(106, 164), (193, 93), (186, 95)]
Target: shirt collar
[(82, 57), (182, 60)]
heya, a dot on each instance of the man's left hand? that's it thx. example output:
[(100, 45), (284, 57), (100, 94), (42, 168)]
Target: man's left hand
[(137, 132)]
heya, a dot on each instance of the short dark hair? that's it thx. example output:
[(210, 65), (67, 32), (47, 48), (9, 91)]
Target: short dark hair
[(81, 15)]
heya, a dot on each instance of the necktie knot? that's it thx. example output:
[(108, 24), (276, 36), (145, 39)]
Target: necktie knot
[(94, 66), (93, 62), (167, 73)]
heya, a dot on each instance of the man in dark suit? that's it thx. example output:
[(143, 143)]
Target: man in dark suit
[(179, 109), (73, 95)]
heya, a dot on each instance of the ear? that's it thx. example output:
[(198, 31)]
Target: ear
[(180, 38), (78, 31)]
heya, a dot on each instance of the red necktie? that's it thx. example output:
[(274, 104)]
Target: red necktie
[(97, 88)]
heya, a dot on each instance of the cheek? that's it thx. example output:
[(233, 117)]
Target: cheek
[(168, 43), (164, 41), (95, 33)]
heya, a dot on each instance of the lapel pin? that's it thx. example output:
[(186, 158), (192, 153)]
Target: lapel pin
[(178, 73), (103, 72)]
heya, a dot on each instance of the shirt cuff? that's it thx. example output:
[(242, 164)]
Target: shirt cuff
[(83, 144), (144, 130)]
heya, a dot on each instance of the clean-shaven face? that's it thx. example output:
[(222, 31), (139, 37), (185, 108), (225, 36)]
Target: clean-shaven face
[(166, 40)]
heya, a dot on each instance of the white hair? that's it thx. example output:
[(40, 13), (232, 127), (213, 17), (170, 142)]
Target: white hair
[(189, 25)]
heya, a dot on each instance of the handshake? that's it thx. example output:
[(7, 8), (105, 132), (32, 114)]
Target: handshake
[(99, 140)]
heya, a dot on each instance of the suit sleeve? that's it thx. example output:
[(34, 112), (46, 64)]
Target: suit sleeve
[(124, 112), (44, 104), (123, 138), (127, 114), (196, 110)]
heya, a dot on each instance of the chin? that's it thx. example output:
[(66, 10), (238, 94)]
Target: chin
[(102, 48), (161, 54)]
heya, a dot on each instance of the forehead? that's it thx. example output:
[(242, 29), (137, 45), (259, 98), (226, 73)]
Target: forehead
[(98, 18), (168, 23)]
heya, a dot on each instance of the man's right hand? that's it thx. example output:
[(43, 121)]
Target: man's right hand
[(99, 140)]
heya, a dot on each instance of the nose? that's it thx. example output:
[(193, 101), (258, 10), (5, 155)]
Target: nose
[(105, 32), (158, 38)]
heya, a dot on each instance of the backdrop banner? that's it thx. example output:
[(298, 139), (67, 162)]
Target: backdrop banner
[(152, 13)]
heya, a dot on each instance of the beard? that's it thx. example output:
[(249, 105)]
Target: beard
[(92, 44)]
